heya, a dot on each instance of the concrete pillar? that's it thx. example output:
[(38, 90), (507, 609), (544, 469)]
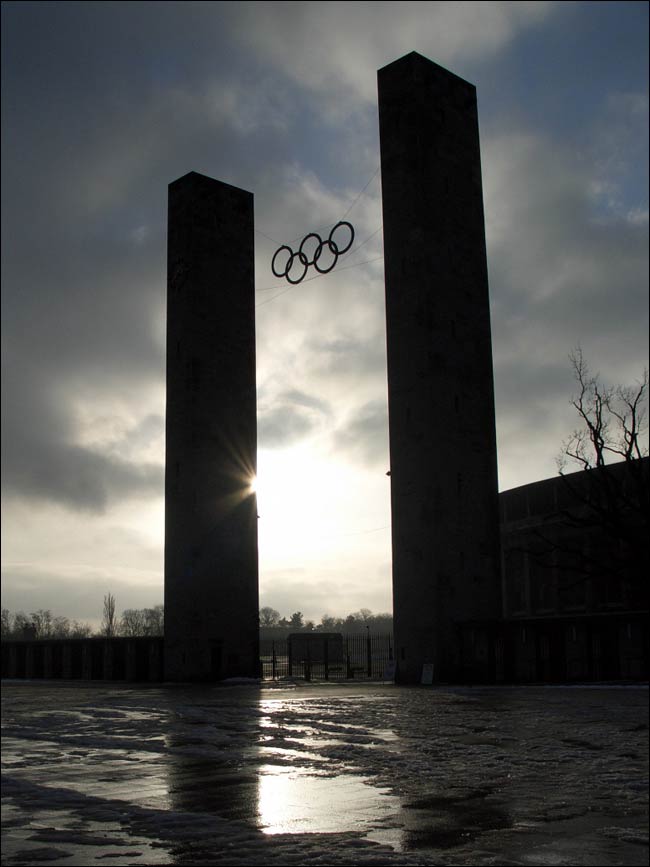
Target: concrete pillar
[(440, 386), (211, 565)]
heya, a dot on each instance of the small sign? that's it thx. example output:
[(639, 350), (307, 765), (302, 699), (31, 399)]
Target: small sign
[(427, 673), (389, 670)]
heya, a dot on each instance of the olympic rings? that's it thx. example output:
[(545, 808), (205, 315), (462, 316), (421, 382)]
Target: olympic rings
[(306, 260)]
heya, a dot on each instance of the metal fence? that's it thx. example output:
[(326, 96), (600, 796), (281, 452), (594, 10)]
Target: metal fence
[(314, 656)]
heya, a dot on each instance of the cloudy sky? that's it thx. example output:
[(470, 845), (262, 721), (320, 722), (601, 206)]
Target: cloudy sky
[(105, 103)]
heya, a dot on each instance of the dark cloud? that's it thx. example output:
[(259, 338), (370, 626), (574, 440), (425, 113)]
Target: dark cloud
[(566, 268), (563, 264), (283, 426), (532, 386), (42, 461), (300, 398), (349, 357), (292, 416), (105, 103), (77, 477), (364, 435)]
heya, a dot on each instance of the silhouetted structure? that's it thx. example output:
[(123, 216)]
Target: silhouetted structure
[(99, 658), (574, 605), (575, 586), (440, 386), (211, 563)]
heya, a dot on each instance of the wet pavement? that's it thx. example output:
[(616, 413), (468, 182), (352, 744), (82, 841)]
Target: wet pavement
[(323, 774)]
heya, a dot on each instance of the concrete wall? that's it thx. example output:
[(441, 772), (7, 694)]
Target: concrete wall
[(587, 647), (211, 564), (567, 549), (130, 659), (440, 385)]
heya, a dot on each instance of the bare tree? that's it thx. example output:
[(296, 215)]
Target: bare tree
[(154, 620), (109, 620), (43, 623), (23, 626), (46, 625), (80, 630), (143, 621), (608, 503), (132, 622), (613, 419), (60, 627)]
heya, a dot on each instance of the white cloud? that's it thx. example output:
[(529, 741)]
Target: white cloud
[(65, 561), (335, 48), (637, 216), (280, 99)]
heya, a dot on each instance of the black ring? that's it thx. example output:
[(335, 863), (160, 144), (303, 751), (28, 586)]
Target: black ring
[(335, 251), (316, 251), (289, 260), (350, 227), (303, 262)]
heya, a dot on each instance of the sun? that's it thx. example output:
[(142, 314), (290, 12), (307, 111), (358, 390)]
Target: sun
[(252, 485), (299, 494)]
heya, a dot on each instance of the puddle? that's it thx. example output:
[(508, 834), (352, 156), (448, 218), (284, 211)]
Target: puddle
[(291, 754), (295, 801), (444, 822)]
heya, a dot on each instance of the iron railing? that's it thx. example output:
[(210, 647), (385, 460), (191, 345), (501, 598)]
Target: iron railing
[(337, 657)]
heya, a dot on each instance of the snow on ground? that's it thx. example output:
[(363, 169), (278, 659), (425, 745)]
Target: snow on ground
[(367, 774)]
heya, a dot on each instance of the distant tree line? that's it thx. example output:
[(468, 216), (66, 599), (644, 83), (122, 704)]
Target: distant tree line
[(142, 621), (272, 623), (134, 622), (43, 624)]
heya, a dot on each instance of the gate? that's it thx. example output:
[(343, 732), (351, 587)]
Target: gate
[(326, 656)]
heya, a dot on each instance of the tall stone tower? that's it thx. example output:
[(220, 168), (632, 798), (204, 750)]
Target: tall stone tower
[(440, 384), (211, 565)]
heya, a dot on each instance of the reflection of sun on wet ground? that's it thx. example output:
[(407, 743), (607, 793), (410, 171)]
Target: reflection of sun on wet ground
[(202, 776), (299, 789), (299, 801), (306, 786)]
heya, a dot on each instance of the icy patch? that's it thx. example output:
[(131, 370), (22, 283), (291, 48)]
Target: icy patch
[(627, 835), (321, 776), (41, 855), (297, 801)]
